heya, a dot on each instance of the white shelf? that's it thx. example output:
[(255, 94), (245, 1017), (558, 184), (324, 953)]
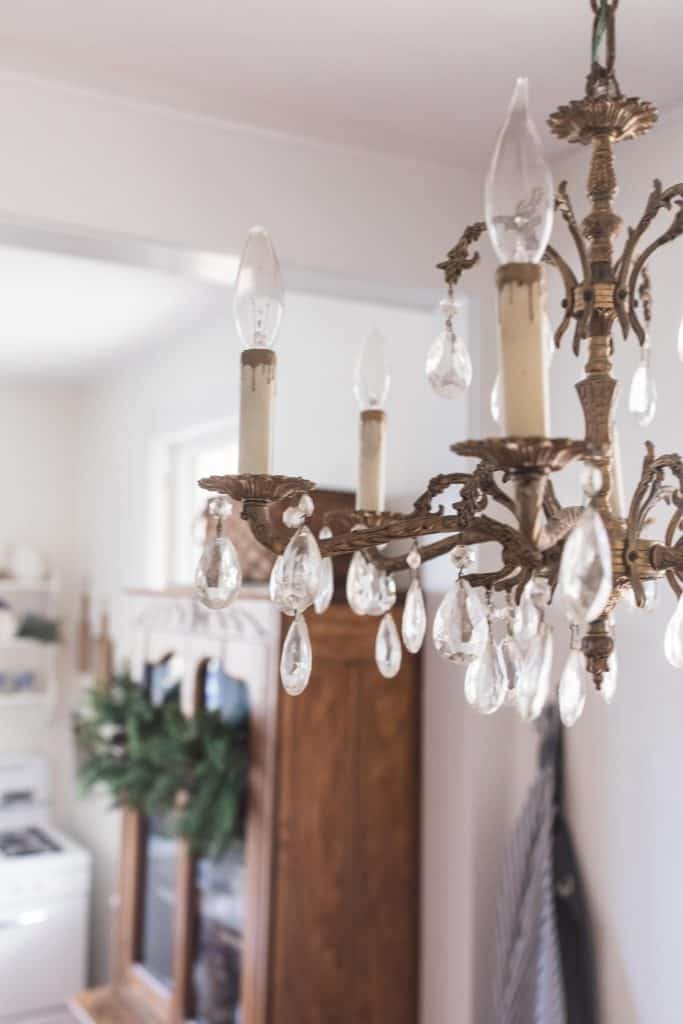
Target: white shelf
[(27, 643), (9, 585), (9, 701)]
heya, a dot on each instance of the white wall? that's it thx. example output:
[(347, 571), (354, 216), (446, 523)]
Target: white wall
[(121, 168)]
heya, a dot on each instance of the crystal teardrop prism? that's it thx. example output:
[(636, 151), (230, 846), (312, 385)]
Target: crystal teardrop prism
[(296, 660), (382, 593), (275, 588), (323, 599), (388, 647), (301, 566), (642, 397), (527, 619), (486, 681), (414, 620), (369, 590), (449, 366), (511, 659), (218, 577), (497, 401), (673, 637), (571, 694), (460, 628), (533, 686), (356, 588), (585, 580)]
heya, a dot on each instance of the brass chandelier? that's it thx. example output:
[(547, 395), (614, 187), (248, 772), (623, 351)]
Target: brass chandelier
[(591, 556)]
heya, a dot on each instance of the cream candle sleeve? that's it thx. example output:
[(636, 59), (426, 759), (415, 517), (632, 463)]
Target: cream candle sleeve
[(257, 395), (370, 495), (524, 376)]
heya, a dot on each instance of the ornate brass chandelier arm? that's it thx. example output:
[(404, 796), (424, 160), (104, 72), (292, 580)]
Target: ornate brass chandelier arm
[(553, 257), (674, 231), (650, 491), (557, 528), (584, 311), (563, 203), (630, 266), (412, 526), (459, 258), (436, 486)]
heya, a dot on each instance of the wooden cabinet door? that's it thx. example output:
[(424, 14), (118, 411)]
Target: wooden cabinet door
[(346, 870)]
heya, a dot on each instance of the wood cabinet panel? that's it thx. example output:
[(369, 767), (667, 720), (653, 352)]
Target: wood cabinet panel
[(346, 869), (386, 881), (310, 954)]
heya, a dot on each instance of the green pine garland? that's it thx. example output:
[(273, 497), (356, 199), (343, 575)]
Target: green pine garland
[(158, 761)]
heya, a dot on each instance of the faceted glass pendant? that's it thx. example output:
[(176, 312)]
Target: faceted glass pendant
[(218, 577), (369, 590), (388, 648), (533, 686), (460, 628), (511, 659), (258, 298), (608, 686), (372, 375), (642, 398), (275, 588), (673, 637), (449, 366), (528, 618), (297, 659), (356, 585), (486, 680), (382, 592), (414, 620), (585, 580), (571, 695), (323, 598), (301, 567), (519, 197), (497, 401)]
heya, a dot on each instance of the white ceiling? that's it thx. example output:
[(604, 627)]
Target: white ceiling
[(424, 78), (61, 315)]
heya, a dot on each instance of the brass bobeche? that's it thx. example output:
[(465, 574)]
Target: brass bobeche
[(607, 290)]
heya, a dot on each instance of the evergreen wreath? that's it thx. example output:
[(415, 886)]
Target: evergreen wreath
[(158, 761)]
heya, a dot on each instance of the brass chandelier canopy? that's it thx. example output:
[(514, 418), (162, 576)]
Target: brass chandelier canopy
[(530, 527)]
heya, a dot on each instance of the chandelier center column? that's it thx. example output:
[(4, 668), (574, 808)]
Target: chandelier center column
[(598, 390)]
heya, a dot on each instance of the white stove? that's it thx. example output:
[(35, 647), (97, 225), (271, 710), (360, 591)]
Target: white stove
[(44, 897)]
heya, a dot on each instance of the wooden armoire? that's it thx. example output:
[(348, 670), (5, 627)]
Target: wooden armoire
[(327, 891)]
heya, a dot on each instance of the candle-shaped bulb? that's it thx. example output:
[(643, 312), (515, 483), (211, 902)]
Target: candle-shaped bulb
[(372, 376), (258, 299), (519, 197)]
